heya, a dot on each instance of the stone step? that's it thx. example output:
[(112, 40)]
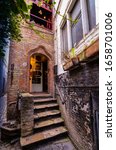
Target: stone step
[(45, 114), (45, 100), (41, 95), (45, 106), (42, 136), (49, 122)]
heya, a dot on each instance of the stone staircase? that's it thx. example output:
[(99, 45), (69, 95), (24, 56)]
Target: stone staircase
[(48, 123)]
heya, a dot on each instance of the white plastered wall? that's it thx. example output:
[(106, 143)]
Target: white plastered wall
[(63, 7)]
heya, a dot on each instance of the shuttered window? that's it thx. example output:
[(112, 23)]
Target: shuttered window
[(64, 37), (91, 13), (76, 29)]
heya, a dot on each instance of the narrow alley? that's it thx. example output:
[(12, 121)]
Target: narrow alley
[(49, 83)]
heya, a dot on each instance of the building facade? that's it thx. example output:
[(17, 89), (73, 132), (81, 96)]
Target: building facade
[(31, 62), (64, 54), (77, 69)]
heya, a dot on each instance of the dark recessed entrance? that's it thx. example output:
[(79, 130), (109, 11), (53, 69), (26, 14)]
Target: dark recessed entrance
[(38, 73)]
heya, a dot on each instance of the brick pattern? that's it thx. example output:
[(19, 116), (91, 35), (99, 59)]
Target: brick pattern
[(20, 53), (78, 88), (27, 118)]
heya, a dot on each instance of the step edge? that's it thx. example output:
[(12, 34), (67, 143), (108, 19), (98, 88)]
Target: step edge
[(54, 123), (46, 106), (37, 117), (60, 133), (45, 99), (52, 101)]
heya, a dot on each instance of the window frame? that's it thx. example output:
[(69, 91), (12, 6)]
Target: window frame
[(66, 39), (90, 8), (77, 16)]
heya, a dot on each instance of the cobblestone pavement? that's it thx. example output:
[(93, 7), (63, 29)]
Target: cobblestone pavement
[(64, 144)]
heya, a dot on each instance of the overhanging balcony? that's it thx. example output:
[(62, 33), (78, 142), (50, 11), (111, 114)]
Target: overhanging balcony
[(41, 14), (43, 4), (41, 22)]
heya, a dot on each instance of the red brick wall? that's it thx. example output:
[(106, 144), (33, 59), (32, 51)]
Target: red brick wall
[(20, 53)]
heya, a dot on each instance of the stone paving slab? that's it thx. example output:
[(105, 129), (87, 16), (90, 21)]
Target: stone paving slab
[(64, 144)]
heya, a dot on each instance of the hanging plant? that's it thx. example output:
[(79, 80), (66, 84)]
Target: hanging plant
[(40, 3)]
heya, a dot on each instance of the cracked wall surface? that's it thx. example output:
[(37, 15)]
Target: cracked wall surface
[(79, 89)]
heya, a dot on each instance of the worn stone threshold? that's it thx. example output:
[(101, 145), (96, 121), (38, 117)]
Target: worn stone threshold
[(40, 95), (44, 100), (38, 137)]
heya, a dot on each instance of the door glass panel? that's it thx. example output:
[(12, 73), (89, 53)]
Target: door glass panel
[(36, 78), (38, 73)]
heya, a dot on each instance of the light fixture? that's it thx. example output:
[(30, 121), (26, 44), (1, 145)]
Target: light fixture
[(40, 12)]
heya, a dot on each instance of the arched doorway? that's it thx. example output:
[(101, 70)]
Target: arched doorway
[(38, 73)]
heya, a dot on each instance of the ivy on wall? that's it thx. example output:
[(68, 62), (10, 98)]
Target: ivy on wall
[(12, 12)]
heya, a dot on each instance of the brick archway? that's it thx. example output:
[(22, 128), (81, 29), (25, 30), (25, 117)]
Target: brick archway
[(43, 51)]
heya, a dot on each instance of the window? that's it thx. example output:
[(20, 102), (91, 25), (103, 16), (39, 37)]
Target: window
[(64, 37), (76, 29), (91, 13), (41, 15), (72, 33)]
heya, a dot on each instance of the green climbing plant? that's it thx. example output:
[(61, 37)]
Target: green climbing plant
[(12, 12), (68, 55)]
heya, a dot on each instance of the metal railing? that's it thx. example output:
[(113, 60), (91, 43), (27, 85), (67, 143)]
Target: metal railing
[(43, 5), (46, 23)]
